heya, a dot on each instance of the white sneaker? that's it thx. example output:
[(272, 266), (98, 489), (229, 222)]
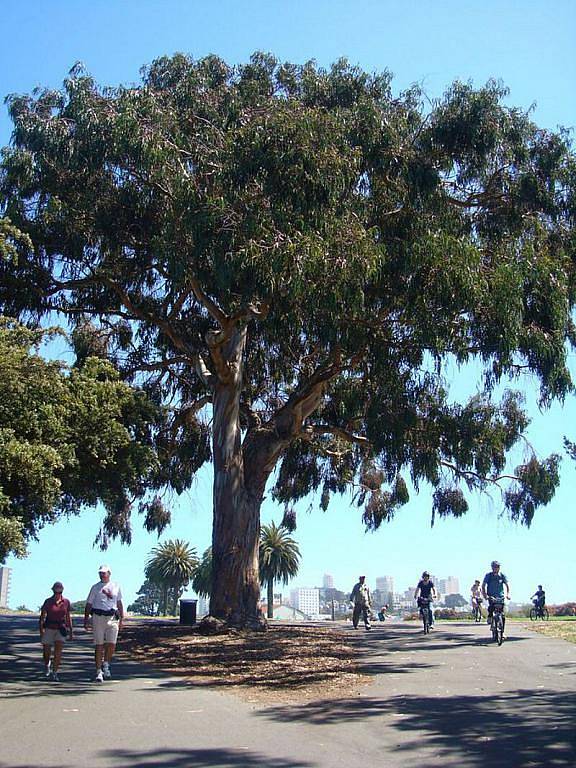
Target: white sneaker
[(99, 677), (106, 671), (48, 669)]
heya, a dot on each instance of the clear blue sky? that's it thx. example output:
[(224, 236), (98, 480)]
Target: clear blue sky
[(529, 44)]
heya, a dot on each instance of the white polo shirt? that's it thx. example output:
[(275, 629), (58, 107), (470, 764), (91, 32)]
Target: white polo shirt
[(105, 597)]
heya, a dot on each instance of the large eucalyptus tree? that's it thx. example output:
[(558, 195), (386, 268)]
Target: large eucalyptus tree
[(296, 254)]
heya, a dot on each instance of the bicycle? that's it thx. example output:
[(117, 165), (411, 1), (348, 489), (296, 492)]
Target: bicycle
[(426, 613), (539, 612), (498, 620), (477, 612)]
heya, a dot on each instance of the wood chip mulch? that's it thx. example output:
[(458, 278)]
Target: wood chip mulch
[(286, 663)]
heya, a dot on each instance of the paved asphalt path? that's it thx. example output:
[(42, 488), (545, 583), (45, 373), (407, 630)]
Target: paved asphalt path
[(449, 699)]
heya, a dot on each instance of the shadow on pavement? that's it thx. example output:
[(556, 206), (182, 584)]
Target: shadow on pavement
[(22, 668), (525, 728), (199, 758)]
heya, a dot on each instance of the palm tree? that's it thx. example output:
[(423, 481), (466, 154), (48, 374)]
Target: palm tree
[(202, 581), (172, 565), (279, 559)]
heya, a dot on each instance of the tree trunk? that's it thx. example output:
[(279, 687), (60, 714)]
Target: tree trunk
[(236, 527), (270, 598), (240, 476), (164, 600)]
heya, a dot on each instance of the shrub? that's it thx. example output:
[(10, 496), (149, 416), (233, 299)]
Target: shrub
[(566, 609), (448, 613)]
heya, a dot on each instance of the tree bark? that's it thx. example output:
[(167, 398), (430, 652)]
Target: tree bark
[(235, 593), (270, 600), (241, 472)]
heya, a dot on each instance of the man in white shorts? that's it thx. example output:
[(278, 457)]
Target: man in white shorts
[(104, 604)]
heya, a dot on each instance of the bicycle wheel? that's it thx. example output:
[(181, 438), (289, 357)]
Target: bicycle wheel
[(545, 614), (533, 614), (478, 616), (493, 628), (499, 628), (425, 621)]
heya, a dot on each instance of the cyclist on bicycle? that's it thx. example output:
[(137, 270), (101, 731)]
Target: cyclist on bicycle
[(493, 586), (476, 595), (424, 594), (539, 598)]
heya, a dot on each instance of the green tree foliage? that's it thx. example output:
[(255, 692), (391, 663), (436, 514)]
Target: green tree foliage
[(69, 438), (307, 253), (202, 581), (149, 600), (78, 607), (171, 566), (455, 601), (279, 559)]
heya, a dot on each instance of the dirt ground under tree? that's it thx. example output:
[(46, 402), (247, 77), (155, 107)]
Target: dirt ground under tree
[(286, 663)]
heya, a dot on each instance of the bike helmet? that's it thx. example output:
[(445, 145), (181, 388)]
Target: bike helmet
[(425, 574), (495, 562)]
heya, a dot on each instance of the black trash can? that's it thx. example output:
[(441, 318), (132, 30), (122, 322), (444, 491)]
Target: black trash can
[(188, 612)]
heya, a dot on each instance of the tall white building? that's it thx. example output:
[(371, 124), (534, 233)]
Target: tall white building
[(306, 599), (385, 583), (202, 607), (328, 581), (5, 576), (449, 586)]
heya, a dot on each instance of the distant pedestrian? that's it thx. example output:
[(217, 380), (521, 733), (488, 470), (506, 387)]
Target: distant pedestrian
[(383, 613), (362, 603), (104, 605), (55, 627)]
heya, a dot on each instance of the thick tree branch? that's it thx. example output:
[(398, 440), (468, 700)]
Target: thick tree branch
[(212, 308), (204, 373), (465, 473), (322, 429)]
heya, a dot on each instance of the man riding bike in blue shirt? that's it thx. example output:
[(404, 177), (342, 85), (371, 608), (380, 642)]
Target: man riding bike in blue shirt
[(539, 598), (493, 587)]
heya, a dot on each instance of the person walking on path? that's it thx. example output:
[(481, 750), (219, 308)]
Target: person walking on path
[(104, 605), (55, 626), (362, 603)]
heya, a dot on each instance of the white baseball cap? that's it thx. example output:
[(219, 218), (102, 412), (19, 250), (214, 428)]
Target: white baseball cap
[(104, 569)]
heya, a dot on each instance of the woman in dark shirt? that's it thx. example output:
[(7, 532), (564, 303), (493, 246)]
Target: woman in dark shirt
[(55, 626)]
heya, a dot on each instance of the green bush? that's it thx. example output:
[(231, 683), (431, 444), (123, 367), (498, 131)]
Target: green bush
[(566, 609)]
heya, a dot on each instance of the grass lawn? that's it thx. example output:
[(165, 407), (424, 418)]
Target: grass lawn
[(565, 629)]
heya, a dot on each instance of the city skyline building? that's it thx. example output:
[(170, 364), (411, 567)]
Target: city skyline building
[(5, 578), (328, 581), (306, 599), (449, 586), (385, 584)]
